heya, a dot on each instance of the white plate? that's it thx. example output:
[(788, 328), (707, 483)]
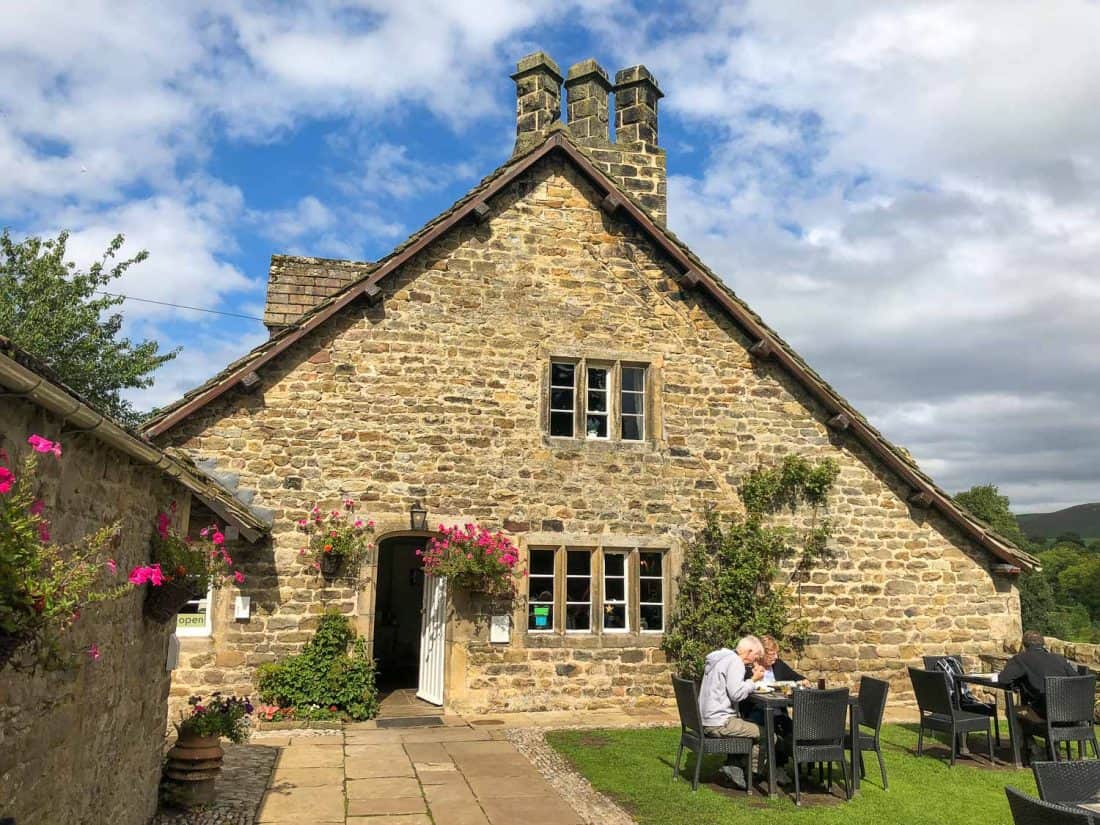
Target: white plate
[(764, 689)]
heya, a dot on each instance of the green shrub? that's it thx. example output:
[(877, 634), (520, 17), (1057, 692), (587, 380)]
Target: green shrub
[(324, 678)]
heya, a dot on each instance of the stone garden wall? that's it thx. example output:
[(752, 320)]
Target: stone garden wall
[(438, 393), (83, 746)]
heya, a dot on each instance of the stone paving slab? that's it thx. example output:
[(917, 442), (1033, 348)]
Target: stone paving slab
[(391, 788), (313, 805), (533, 810), (303, 756), (307, 777), (398, 805), (469, 814), (411, 819)]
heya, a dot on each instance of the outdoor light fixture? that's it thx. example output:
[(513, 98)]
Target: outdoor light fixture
[(418, 516)]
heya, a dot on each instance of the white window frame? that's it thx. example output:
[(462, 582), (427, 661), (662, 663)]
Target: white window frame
[(550, 401), (664, 594), (609, 374), (625, 600), (565, 616), (207, 626), (641, 393), (553, 577)]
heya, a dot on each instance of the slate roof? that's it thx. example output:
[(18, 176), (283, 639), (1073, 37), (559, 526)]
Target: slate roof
[(694, 273)]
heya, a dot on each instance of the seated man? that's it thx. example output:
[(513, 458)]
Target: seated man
[(775, 670), (1028, 671), (729, 677)]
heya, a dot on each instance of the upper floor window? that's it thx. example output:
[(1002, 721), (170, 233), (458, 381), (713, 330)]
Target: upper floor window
[(599, 400)]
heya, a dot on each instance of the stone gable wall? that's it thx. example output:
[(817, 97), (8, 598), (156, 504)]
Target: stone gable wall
[(84, 746), (435, 394)]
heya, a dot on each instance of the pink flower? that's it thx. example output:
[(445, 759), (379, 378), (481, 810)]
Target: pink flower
[(371, 524), (112, 566), (44, 445), (43, 531), (359, 522), (469, 555), (204, 532), (37, 508), (156, 576), (93, 652), (218, 538), (151, 573), (7, 479), (162, 525), (238, 576)]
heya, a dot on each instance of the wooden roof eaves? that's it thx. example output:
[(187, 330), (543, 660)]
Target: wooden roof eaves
[(699, 275)]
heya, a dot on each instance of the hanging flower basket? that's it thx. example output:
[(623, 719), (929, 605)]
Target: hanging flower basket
[(164, 602), (331, 565)]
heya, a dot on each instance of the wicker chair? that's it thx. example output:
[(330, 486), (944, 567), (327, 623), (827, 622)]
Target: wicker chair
[(1027, 810), (872, 706), (938, 711), (964, 699), (1068, 782), (694, 739), (819, 735), (1070, 703)]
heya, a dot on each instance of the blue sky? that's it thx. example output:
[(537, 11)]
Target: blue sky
[(906, 192)]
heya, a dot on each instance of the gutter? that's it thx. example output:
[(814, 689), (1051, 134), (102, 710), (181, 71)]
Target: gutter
[(26, 383)]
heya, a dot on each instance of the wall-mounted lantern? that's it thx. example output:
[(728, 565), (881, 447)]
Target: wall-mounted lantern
[(418, 516)]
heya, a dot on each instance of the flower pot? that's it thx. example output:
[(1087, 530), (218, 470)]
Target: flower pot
[(191, 769), (331, 565), (164, 602), (11, 643)]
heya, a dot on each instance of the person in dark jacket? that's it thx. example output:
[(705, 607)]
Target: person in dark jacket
[(1028, 671), (775, 670)]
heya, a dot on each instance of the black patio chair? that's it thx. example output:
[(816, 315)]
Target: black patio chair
[(694, 739), (1070, 707), (938, 711), (1027, 810), (961, 693), (872, 707), (1068, 782), (818, 733)]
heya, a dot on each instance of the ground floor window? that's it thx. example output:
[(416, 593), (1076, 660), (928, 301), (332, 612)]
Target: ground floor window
[(604, 590)]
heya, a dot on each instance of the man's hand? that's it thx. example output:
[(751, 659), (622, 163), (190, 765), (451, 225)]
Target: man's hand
[(757, 672)]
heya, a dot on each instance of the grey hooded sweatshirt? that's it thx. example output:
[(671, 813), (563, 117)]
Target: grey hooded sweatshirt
[(724, 686)]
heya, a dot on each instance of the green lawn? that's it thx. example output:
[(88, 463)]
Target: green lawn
[(634, 767)]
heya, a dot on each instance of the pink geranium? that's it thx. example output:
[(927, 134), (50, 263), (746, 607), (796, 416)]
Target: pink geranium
[(238, 576), (7, 479), (150, 573), (44, 445)]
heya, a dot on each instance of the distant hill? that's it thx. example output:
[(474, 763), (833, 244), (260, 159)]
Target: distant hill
[(1083, 519)]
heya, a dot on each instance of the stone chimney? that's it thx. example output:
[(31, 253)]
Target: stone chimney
[(586, 92), (296, 284), (538, 98)]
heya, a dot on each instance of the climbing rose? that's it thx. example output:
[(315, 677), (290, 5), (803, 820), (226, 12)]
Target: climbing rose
[(44, 445), (7, 478), (218, 538), (238, 576), (93, 652)]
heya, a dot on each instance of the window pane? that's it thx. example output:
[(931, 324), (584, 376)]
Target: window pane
[(541, 588), (634, 378), (561, 375), (578, 589), (632, 428), (650, 564), (614, 590), (542, 562), (578, 617), (652, 617), (597, 378), (650, 590), (597, 426), (540, 617), (597, 402), (561, 423), (614, 617), (579, 562), (561, 400), (632, 403), (614, 564)]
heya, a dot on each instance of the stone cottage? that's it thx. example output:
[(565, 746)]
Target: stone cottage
[(84, 745), (546, 358)]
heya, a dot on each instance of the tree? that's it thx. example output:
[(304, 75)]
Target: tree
[(732, 580), (58, 313), (986, 502)]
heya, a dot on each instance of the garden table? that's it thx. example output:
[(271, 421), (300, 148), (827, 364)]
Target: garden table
[(990, 682), (772, 702)]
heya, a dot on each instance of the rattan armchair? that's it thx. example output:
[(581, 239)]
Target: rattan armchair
[(1027, 810), (963, 697), (1070, 708), (694, 739), (1068, 782), (872, 706), (818, 733), (938, 711)]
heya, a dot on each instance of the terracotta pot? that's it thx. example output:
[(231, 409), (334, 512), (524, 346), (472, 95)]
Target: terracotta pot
[(191, 770), (164, 602), (10, 644)]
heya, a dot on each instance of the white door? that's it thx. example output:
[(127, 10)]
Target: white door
[(433, 623)]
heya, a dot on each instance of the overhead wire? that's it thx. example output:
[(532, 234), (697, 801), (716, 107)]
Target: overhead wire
[(177, 306)]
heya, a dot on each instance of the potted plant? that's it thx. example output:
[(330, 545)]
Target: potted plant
[(193, 764), (182, 568), (44, 586), (338, 541), (473, 558)]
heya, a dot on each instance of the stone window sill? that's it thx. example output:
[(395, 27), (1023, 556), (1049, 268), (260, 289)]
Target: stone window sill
[(592, 640), (599, 445)]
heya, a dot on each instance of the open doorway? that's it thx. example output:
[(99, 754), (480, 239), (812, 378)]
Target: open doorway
[(398, 602)]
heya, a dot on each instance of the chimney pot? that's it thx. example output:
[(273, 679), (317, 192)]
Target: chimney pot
[(587, 88), (538, 98)]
